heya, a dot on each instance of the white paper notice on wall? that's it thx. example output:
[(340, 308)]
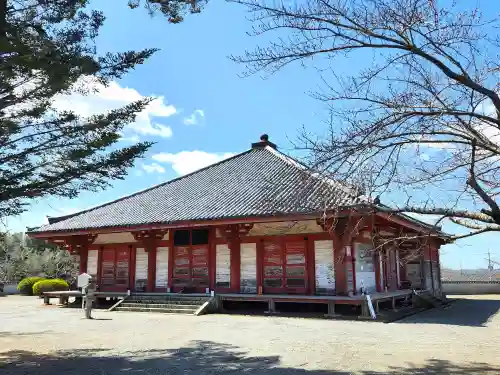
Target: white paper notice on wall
[(141, 264), (222, 265), (348, 251), (161, 267), (248, 268), (92, 263), (324, 267)]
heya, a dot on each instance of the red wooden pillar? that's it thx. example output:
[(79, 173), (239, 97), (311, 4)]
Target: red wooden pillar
[(260, 265), (131, 273), (311, 266), (392, 269), (99, 265), (170, 259), (350, 261), (151, 268), (232, 235), (339, 265), (233, 242), (84, 256), (235, 264), (212, 257), (378, 271), (402, 265), (149, 239)]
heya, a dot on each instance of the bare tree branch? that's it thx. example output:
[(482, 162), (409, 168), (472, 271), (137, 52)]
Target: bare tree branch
[(420, 120)]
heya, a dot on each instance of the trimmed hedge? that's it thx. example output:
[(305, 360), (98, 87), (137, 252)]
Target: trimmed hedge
[(50, 285), (25, 286)]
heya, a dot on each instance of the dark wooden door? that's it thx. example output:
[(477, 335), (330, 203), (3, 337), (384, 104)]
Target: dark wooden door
[(285, 267), (273, 268), (107, 270), (295, 267), (115, 270), (191, 268)]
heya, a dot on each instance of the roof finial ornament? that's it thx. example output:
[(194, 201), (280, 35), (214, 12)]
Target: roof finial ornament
[(264, 142)]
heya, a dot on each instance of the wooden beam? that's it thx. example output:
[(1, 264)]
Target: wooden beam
[(183, 224)]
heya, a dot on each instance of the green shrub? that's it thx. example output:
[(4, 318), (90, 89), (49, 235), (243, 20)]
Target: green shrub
[(50, 285), (25, 286)]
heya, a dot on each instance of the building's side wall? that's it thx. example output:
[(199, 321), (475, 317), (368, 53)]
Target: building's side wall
[(431, 268), (331, 267), (323, 259)]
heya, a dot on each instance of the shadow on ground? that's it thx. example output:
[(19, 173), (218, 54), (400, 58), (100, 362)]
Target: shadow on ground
[(201, 357), (464, 312), (18, 334)]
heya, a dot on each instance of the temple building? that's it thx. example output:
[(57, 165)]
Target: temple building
[(258, 223)]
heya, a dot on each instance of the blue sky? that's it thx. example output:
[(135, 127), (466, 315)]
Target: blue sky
[(205, 111)]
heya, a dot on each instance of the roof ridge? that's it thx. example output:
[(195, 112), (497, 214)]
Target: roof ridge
[(318, 175), (65, 217)]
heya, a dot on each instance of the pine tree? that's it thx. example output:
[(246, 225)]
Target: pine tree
[(46, 48)]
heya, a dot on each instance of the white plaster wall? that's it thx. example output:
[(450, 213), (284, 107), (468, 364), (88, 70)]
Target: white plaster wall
[(141, 265), (222, 265), (92, 263), (365, 268), (324, 267), (161, 267), (248, 268)]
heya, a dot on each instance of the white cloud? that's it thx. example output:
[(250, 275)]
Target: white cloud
[(185, 162), (153, 168), (113, 96), (196, 117), (131, 139)]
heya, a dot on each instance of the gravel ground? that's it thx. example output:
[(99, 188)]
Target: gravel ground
[(43, 340)]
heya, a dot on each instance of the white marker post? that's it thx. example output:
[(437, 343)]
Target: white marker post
[(370, 306)]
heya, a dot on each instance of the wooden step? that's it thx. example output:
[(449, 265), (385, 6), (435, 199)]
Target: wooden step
[(199, 300), (159, 305), (166, 301), (187, 311), (433, 300)]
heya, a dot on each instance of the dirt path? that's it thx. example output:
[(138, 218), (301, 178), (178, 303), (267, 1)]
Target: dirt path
[(464, 339)]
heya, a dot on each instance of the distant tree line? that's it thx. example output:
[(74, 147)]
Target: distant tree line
[(21, 257)]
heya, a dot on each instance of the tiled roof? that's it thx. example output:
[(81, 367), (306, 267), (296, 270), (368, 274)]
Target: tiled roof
[(259, 182)]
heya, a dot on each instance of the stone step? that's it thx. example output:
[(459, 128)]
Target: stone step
[(169, 298), (157, 310), (160, 305), (434, 300), (166, 301)]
